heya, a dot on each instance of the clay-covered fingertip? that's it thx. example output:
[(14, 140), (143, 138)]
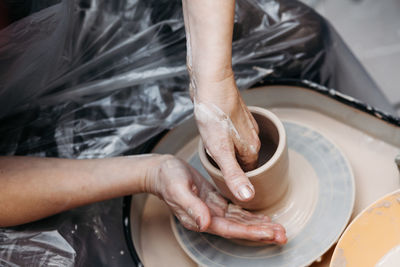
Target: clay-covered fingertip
[(202, 223), (280, 238)]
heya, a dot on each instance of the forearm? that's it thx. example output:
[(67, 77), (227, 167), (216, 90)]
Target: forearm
[(227, 128), (209, 27), (33, 188)]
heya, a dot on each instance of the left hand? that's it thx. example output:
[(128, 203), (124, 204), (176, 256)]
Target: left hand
[(199, 207)]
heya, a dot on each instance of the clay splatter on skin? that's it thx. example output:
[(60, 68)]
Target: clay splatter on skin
[(187, 221), (253, 149), (190, 212), (189, 50), (206, 113), (213, 197)]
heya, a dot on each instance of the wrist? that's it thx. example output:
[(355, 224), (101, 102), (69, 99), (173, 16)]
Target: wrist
[(151, 179), (223, 94), (215, 88), (211, 73)]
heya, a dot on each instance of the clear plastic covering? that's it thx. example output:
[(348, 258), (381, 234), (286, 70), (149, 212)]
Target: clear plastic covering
[(96, 78)]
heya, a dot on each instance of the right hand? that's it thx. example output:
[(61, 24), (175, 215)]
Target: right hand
[(228, 130), (226, 126)]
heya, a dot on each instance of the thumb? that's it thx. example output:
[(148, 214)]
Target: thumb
[(194, 207)]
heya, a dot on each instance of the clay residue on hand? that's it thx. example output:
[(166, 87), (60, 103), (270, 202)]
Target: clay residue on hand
[(210, 115)]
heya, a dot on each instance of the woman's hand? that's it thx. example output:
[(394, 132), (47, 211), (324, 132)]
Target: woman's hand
[(229, 132), (40, 187), (199, 207), (227, 128), (32, 188)]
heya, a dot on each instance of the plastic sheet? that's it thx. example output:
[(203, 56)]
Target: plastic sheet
[(95, 78), (46, 248)]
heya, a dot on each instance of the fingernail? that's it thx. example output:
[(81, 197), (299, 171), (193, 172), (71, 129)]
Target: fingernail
[(245, 192), (198, 222)]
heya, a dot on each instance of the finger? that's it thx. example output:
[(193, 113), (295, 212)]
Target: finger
[(216, 203), (280, 234), (202, 184), (246, 141), (186, 220), (192, 205), (232, 208), (234, 177), (250, 116), (247, 145), (237, 213), (231, 229), (208, 194), (243, 220)]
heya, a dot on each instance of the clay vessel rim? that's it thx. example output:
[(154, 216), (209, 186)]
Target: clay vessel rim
[(267, 165)]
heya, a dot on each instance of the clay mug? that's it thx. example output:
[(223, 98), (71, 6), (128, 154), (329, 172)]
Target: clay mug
[(270, 178)]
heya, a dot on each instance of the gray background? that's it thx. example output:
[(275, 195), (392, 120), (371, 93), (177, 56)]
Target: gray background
[(371, 29)]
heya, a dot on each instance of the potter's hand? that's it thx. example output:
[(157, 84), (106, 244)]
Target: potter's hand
[(227, 128), (200, 208), (229, 133)]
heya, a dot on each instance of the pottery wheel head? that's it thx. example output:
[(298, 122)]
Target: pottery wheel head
[(315, 209)]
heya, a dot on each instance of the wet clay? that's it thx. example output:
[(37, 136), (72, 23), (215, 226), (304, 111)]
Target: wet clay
[(269, 138), (270, 179)]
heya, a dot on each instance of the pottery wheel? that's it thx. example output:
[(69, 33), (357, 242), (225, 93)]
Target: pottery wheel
[(314, 210)]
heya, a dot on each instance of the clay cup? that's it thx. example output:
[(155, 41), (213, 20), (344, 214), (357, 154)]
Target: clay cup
[(270, 178)]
